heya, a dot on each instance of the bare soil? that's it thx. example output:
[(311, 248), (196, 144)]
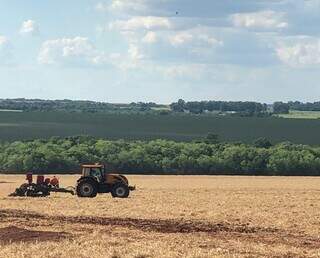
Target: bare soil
[(14, 234)]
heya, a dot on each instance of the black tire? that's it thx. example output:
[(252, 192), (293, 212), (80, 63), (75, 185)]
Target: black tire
[(120, 190), (87, 189), (22, 190)]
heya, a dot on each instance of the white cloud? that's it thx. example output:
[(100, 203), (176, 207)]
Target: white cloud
[(178, 46), (142, 22), (135, 53), (134, 58), (260, 20), (124, 5), (75, 51), (209, 40), (300, 54), (29, 27), (181, 38), (150, 38), (195, 37)]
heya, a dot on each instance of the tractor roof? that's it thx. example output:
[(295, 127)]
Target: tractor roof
[(92, 166)]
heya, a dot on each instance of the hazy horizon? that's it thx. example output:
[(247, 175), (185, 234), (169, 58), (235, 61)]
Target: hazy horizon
[(160, 103)]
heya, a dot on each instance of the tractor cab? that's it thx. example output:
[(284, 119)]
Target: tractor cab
[(96, 171)]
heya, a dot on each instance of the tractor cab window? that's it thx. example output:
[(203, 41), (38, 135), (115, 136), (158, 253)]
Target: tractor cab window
[(97, 173), (93, 172), (86, 172)]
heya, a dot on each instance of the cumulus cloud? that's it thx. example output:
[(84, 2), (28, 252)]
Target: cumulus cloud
[(150, 37), (300, 54), (186, 8), (142, 22), (135, 53), (133, 5), (75, 51), (240, 33), (181, 38), (195, 45), (259, 20), (193, 38), (29, 27), (209, 40)]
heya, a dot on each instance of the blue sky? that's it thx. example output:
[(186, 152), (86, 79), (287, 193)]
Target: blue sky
[(147, 50)]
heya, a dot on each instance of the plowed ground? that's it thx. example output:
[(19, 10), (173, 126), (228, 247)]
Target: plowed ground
[(167, 217)]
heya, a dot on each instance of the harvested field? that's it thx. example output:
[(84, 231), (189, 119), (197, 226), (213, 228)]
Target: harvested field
[(168, 216)]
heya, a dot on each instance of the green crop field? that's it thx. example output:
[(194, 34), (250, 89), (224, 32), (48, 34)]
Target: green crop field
[(301, 114), (32, 125)]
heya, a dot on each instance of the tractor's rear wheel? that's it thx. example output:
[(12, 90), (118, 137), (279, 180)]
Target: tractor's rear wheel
[(120, 191), (87, 189)]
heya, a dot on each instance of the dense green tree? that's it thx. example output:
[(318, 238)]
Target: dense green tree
[(245, 108), (160, 156), (281, 108)]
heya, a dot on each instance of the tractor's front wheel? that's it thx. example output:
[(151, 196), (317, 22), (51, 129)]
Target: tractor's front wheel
[(87, 189), (120, 191)]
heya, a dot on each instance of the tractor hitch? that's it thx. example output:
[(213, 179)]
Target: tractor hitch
[(132, 188)]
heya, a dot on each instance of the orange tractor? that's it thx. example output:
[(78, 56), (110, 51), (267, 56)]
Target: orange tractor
[(94, 179)]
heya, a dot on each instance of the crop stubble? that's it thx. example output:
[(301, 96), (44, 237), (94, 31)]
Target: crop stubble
[(168, 216)]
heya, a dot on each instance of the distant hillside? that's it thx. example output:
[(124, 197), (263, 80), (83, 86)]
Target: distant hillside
[(180, 127)]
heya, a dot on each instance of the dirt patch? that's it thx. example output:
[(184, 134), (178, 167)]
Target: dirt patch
[(152, 225), (168, 226), (14, 234), (223, 230)]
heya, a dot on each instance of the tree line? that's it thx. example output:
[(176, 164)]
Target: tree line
[(308, 106), (199, 107), (30, 105), (205, 156), (237, 108)]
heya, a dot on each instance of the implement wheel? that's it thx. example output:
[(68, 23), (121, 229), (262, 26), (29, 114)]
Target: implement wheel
[(22, 190), (120, 190), (87, 189)]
